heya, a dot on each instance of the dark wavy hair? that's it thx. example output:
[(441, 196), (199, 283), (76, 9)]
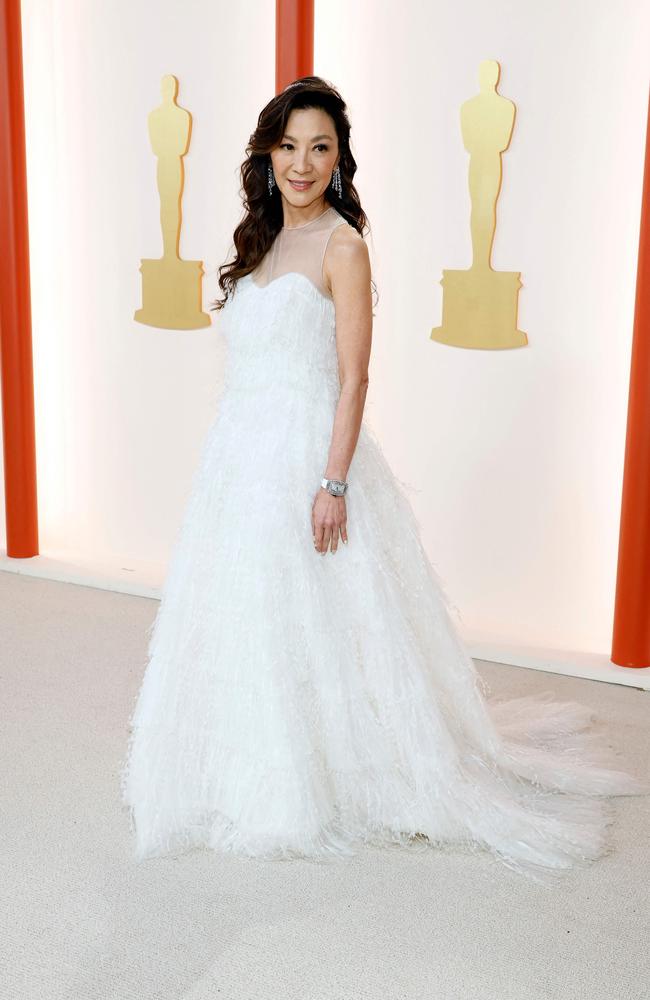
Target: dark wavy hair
[(264, 218)]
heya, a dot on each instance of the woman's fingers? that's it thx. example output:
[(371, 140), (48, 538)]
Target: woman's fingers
[(327, 537)]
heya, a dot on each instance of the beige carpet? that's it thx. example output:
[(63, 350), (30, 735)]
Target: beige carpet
[(81, 920)]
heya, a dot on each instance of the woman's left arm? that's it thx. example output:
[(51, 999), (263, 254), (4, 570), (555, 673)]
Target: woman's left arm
[(347, 266)]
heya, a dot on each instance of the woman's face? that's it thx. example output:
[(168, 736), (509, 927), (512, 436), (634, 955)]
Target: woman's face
[(308, 151)]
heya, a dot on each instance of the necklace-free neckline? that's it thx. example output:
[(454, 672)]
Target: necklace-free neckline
[(291, 229)]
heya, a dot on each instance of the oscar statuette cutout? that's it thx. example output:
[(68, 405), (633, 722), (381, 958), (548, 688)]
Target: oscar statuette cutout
[(171, 287), (479, 305)]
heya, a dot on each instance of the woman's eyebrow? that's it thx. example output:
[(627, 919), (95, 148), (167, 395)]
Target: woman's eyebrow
[(293, 138)]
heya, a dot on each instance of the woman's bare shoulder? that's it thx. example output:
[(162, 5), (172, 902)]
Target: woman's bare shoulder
[(346, 251)]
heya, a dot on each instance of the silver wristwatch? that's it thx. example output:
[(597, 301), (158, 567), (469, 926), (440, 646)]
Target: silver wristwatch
[(334, 486)]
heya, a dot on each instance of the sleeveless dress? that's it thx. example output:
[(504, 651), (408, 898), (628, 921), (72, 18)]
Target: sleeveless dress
[(299, 705)]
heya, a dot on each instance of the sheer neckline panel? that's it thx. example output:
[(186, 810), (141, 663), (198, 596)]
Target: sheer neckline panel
[(300, 250)]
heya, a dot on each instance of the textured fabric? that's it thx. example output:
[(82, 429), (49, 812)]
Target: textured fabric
[(301, 705)]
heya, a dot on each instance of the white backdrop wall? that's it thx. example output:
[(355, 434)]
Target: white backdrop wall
[(512, 459)]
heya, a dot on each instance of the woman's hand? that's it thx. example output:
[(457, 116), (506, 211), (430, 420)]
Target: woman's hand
[(328, 520)]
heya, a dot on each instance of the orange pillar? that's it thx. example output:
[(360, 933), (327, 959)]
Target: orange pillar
[(15, 308), (631, 634), (294, 41)]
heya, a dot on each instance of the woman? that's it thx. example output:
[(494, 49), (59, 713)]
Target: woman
[(300, 706)]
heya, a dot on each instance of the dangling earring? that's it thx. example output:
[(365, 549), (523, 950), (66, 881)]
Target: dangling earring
[(336, 182), (271, 178)]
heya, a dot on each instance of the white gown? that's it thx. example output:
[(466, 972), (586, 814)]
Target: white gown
[(302, 705)]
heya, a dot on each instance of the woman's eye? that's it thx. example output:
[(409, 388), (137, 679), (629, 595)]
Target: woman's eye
[(287, 145)]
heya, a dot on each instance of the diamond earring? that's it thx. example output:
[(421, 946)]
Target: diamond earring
[(336, 182), (271, 178)]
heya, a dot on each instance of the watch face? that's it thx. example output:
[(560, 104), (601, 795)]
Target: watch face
[(335, 487)]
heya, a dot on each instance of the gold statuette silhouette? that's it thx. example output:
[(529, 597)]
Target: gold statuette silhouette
[(479, 305), (171, 287)]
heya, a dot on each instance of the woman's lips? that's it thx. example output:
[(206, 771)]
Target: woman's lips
[(301, 185)]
